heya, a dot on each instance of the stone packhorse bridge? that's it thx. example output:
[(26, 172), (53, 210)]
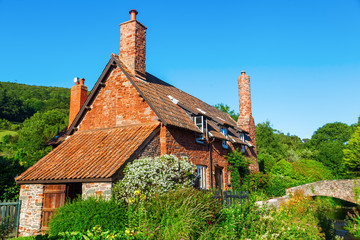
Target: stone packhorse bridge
[(342, 189)]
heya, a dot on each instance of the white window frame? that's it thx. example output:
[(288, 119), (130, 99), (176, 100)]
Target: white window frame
[(201, 173), (199, 121), (224, 131), (243, 148), (242, 137)]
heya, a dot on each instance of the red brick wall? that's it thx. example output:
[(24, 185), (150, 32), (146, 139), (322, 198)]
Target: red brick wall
[(117, 104), (133, 46), (182, 143)]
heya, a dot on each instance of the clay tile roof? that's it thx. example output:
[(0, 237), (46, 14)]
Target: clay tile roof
[(91, 154), (159, 93)]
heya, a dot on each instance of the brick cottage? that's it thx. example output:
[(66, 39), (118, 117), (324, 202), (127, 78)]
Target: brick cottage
[(129, 114)]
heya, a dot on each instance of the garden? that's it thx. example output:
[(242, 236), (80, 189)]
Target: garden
[(156, 200)]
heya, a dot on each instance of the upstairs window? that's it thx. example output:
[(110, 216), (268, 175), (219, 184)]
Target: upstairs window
[(243, 149), (201, 124), (201, 176), (224, 131), (242, 137)]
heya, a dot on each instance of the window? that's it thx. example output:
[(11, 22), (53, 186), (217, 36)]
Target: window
[(242, 137), (201, 124), (224, 142), (243, 149), (201, 176)]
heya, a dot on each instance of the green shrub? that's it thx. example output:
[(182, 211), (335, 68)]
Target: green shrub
[(353, 223), (153, 176), (297, 219), (180, 214), (255, 182), (278, 184), (82, 215)]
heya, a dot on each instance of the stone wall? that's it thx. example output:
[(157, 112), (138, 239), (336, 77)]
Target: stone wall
[(342, 189), (97, 189), (152, 149), (31, 196)]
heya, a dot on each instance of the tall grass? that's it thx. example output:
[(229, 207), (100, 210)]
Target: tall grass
[(185, 213)]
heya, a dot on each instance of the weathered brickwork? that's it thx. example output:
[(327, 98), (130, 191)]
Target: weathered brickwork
[(152, 149), (31, 196), (182, 143), (77, 99), (246, 120), (97, 189), (117, 104), (133, 46)]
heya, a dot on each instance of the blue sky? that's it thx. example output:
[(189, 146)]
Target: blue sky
[(303, 57)]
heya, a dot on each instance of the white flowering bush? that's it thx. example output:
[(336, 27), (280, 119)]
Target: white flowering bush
[(151, 176)]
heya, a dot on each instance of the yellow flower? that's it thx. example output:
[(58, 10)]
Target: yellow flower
[(131, 200), (137, 192), (127, 231)]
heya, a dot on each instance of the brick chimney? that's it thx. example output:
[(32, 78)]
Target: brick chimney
[(244, 102), (133, 45), (77, 98), (246, 120)]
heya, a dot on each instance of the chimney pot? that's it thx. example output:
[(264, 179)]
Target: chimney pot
[(133, 14), (81, 81), (242, 73)]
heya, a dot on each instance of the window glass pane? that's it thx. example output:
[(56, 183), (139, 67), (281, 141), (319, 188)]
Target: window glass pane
[(201, 174)]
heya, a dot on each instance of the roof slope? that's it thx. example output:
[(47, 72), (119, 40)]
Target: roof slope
[(91, 154), (158, 94)]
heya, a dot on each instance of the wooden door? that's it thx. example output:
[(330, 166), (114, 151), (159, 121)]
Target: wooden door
[(54, 197), (219, 178)]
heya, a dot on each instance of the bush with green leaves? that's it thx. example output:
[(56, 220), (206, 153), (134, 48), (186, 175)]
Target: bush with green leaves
[(300, 218), (238, 166), (182, 214), (82, 215), (6, 228), (278, 184), (154, 175)]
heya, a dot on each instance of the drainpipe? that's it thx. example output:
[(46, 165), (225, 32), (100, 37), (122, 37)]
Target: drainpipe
[(210, 161)]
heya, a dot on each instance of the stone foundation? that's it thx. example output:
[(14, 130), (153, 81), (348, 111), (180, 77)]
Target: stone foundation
[(31, 196), (97, 189)]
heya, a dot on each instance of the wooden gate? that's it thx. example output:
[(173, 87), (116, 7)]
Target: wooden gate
[(54, 197), (9, 215)]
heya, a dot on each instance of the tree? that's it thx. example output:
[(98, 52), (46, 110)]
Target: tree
[(36, 131), (328, 143), (226, 109), (331, 132), (352, 153)]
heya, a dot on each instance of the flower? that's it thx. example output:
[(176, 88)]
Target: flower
[(137, 192)]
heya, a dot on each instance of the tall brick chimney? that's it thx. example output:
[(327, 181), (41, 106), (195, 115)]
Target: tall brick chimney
[(133, 45), (246, 120), (244, 102), (77, 98)]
